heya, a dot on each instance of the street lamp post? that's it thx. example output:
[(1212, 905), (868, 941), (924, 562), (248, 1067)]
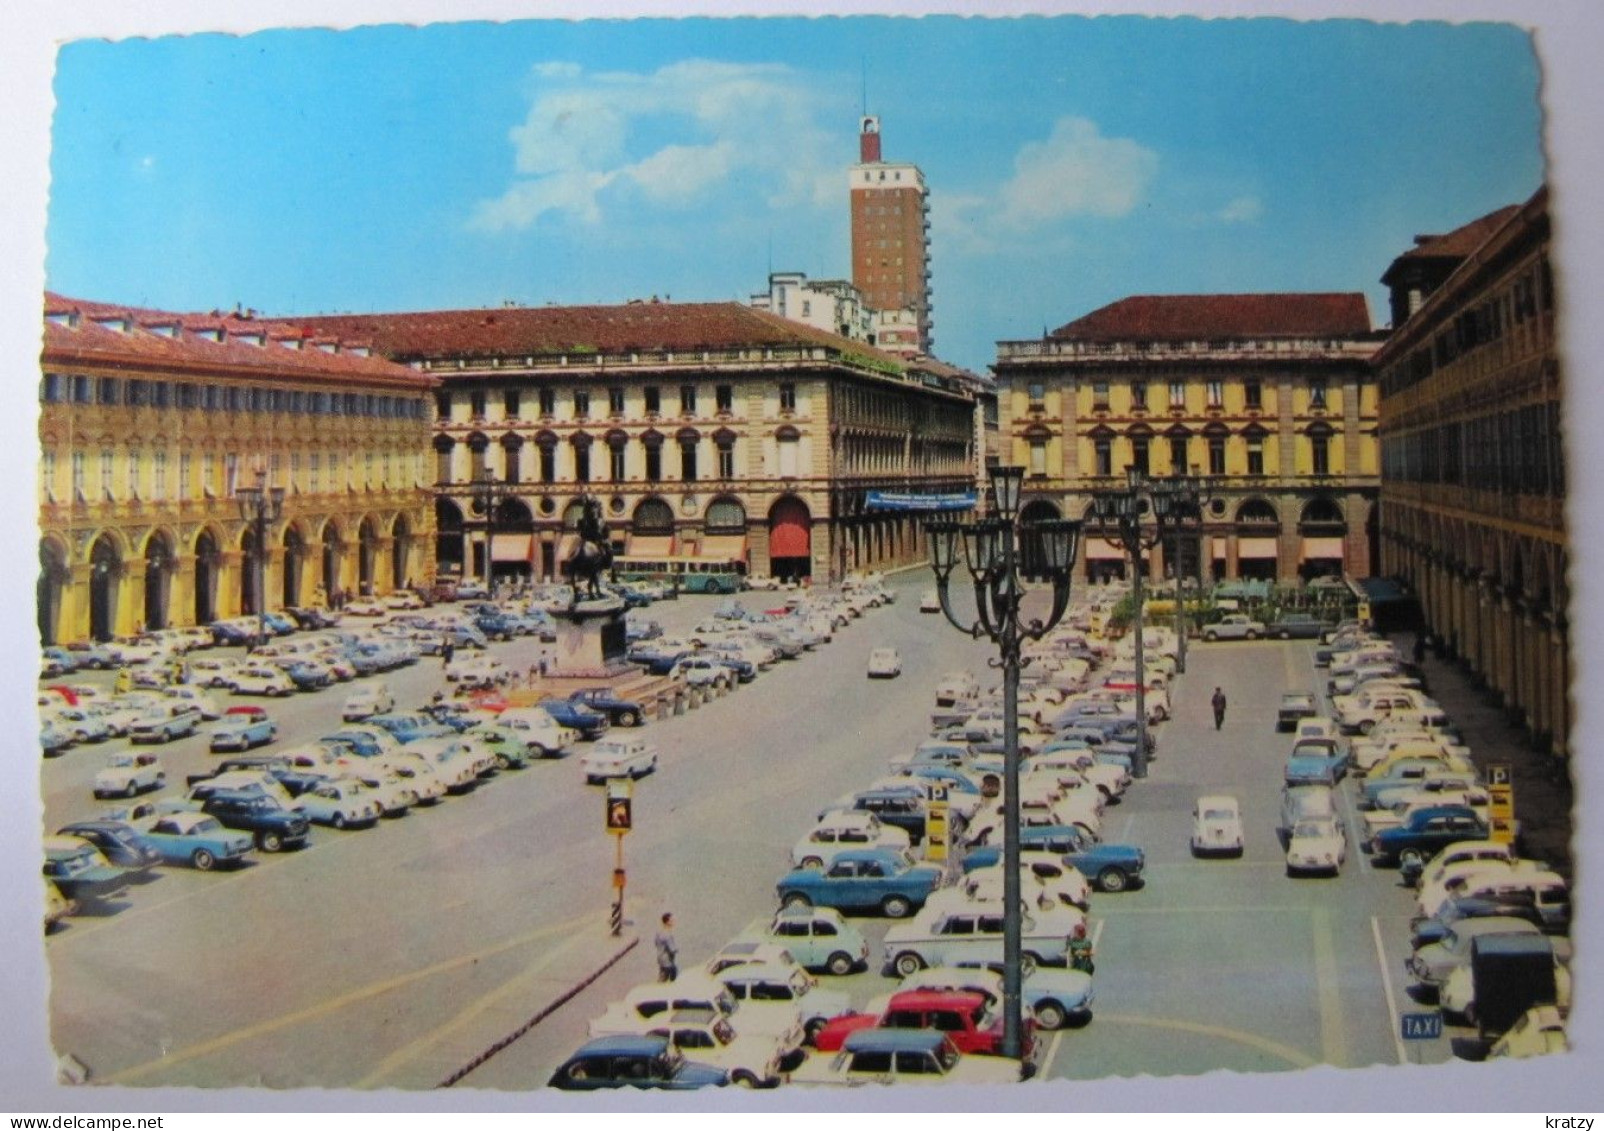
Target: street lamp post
[(1189, 492), (991, 550), (260, 507), (488, 494), (1119, 513)]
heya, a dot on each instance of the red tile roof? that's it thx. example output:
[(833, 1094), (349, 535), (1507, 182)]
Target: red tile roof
[(1206, 317), (550, 330), (88, 342), (1459, 243)]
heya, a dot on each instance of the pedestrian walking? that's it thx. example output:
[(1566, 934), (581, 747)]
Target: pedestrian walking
[(447, 650), (125, 681), (667, 950), (1219, 708)]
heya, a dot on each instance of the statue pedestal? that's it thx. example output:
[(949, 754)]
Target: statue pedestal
[(590, 641)]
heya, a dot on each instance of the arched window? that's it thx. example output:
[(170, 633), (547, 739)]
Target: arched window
[(653, 516), (726, 515)]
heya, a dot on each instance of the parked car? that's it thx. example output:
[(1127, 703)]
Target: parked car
[(1316, 844), (862, 879), (818, 938), (128, 774), (1432, 964), (1295, 705), (1296, 626), (261, 679), (118, 841), (1110, 867), (903, 1057), (243, 728), (884, 663), (844, 831), (969, 1019), (365, 702), (1424, 832), (618, 758), (197, 839), (578, 717), (633, 1061), (1217, 826), (1234, 626), (273, 826), (164, 722), (543, 735), (77, 868), (943, 937), (621, 712), (342, 804)]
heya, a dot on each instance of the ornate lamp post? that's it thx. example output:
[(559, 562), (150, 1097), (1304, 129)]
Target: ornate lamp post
[(1119, 514), (260, 507), (489, 494), (1188, 493), (991, 549)]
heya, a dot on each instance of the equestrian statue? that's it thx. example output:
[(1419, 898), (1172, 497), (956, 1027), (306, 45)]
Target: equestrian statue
[(593, 556)]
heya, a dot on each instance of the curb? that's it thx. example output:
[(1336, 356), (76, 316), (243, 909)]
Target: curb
[(550, 1008)]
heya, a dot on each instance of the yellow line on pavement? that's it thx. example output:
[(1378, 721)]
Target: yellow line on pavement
[(514, 984), (1333, 1030), (1274, 1048), (334, 1005)]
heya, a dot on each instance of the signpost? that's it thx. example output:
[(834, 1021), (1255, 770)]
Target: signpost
[(619, 818), (936, 825), (1501, 802)]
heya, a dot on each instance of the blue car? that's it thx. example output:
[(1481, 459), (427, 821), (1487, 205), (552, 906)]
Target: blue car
[(119, 842), (196, 839), (576, 716), (1111, 867), (622, 712), (243, 728), (633, 1062), (864, 879), (409, 727), (1307, 769)]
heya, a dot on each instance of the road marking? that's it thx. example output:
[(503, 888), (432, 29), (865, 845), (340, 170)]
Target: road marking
[(1386, 985), (1333, 1028), (1274, 1048), (334, 1005), (443, 1029)]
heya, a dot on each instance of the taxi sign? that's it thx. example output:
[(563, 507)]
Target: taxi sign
[(936, 831), (619, 810), (1501, 803), (1420, 1026)]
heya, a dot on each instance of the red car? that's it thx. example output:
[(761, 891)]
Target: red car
[(960, 1014)]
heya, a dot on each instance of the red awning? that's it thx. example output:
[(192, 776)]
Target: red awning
[(512, 548), (790, 538)]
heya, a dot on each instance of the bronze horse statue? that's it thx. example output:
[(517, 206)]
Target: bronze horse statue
[(593, 556)]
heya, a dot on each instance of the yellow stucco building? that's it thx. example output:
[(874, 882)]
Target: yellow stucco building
[(148, 422), (1269, 395)]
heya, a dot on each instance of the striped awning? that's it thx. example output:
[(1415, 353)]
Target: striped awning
[(651, 545), (724, 547), (1322, 548), (1258, 548)]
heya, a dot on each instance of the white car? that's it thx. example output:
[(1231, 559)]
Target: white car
[(937, 937), (476, 669), (393, 793), (365, 607), (778, 996), (884, 663), (456, 765), (1217, 826), (618, 758), (341, 803), (1316, 844), (1039, 873), (202, 702), (842, 831), (129, 774), (420, 776), (260, 679), (375, 699)]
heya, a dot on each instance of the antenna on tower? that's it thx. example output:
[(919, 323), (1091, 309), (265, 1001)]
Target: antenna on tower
[(865, 62)]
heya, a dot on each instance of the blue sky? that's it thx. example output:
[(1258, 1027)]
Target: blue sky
[(1071, 161)]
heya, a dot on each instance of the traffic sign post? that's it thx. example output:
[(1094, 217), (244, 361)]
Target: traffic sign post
[(1501, 803), (619, 819), (937, 827)]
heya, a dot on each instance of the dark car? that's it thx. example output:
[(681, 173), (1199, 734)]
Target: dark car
[(655, 660), (622, 712), (118, 842), (1112, 867), (902, 806), (1295, 705), (233, 633), (296, 781), (1296, 626), (633, 1062), (312, 618), (577, 716), (274, 827), (496, 626), (88, 654), (278, 624), (1519, 904), (79, 872), (1424, 833), (305, 676), (638, 630)]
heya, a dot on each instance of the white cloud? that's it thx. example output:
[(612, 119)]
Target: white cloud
[(679, 137), (1242, 210), (1075, 172)]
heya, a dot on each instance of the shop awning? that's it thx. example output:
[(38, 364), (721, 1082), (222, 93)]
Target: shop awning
[(1322, 548), (1258, 547), (651, 545), (1100, 550), (512, 548), (1219, 543), (724, 547)]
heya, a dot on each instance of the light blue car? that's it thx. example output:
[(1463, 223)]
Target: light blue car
[(819, 939), (196, 839)]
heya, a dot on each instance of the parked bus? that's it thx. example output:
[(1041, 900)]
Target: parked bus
[(687, 575)]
